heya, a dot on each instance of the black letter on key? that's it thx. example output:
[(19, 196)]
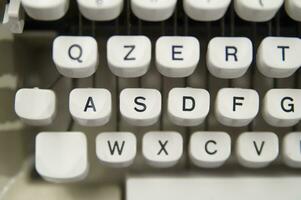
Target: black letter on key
[(290, 105), (131, 47), (206, 147), (143, 106), (235, 103), (229, 53), (90, 104), (283, 48), (174, 52), (163, 146), (185, 107), (259, 150), (116, 147)]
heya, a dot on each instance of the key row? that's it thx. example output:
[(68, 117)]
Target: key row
[(130, 56), (234, 107), (160, 10), (63, 156)]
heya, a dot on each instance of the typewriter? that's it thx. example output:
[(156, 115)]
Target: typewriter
[(150, 99)]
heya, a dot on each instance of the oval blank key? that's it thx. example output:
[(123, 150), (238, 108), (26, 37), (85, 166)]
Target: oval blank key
[(46, 9), (293, 9), (278, 57), (257, 10), (257, 149), (100, 10), (90, 107), (35, 106), (153, 10), (204, 10), (75, 56), (61, 156)]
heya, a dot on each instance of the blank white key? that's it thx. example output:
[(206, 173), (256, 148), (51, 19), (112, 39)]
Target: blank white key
[(153, 10), (116, 149), (236, 107), (100, 10), (35, 106), (229, 57), (129, 56), (204, 10), (162, 149), (222, 186), (278, 57), (90, 107), (140, 107), (257, 149), (293, 9), (209, 149), (61, 156), (75, 56), (46, 10), (282, 107), (188, 106), (257, 10), (291, 149), (177, 56)]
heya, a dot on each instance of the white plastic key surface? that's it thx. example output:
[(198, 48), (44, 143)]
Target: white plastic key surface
[(61, 156), (90, 107), (177, 56), (229, 57), (236, 107), (129, 56), (204, 10), (100, 10), (35, 106), (75, 56), (188, 106), (278, 57), (293, 9), (282, 107), (116, 149), (162, 149), (291, 149), (46, 10), (209, 149), (221, 186), (257, 149), (140, 107), (257, 10), (153, 10)]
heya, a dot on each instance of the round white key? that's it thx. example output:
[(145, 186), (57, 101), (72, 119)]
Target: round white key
[(229, 57), (75, 56), (257, 10), (209, 149), (46, 10), (129, 56), (177, 56), (204, 10), (188, 106), (162, 149), (293, 9), (278, 57), (35, 106), (153, 10), (282, 107), (100, 10), (291, 149), (257, 149), (61, 156), (90, 107), (236, 107), (116, 149), (140, 107)]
